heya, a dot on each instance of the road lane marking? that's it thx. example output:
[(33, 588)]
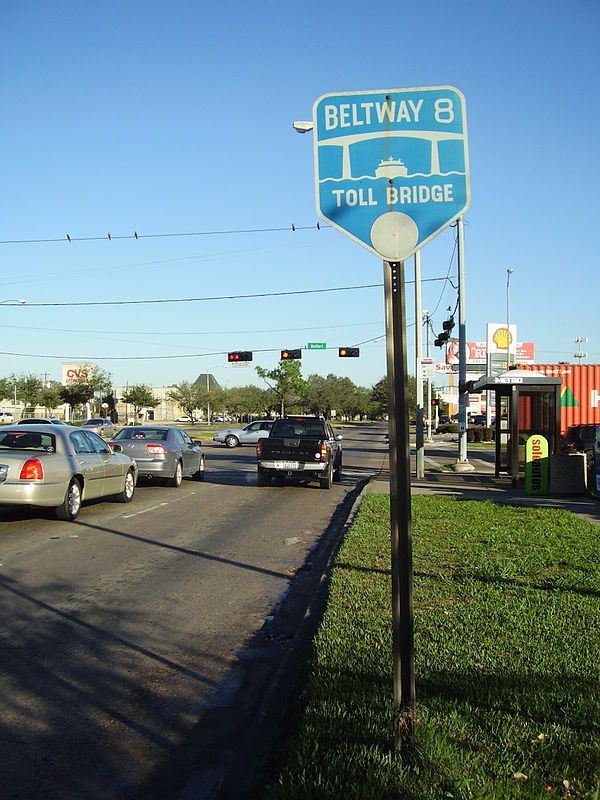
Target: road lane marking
[(145, 510)]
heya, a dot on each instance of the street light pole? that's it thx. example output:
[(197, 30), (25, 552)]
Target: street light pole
[(509, 272)]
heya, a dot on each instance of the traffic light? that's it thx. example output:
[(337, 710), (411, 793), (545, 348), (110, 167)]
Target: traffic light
[(434, 402), (239, 355), (349, 352), (290, 354), (443, 337)]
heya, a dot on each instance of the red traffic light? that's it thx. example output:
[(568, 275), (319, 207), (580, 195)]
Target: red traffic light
[(240, 355), (349, 352), (290, 354)]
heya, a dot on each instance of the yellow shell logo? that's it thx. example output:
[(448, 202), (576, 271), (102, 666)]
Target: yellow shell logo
[(500, 338)]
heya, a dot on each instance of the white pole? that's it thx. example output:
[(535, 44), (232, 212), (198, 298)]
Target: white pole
[(420, 468)]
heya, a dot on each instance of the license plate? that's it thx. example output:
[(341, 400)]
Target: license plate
[(287, 465)]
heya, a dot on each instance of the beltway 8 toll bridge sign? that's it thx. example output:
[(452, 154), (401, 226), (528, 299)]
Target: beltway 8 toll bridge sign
[(391, 167)]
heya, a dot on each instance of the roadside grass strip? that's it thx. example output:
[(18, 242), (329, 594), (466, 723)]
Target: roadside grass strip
[(507, 617)]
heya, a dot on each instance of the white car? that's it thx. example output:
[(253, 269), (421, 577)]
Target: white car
[(6, 417), (250, 434)]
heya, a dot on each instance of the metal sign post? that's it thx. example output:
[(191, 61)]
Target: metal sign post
[(400, 508)]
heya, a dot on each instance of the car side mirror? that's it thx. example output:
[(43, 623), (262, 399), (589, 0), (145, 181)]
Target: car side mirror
[(197, 441), (116, 448)]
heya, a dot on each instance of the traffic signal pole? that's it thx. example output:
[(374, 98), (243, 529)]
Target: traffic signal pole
[(462, 464), (400, 509)]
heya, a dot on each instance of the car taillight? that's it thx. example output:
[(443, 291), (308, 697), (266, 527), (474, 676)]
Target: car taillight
[(322, 455), (258, 449), (156, 450), (32, 470)]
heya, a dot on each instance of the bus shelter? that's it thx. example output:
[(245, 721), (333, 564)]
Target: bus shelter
[(527, 403)]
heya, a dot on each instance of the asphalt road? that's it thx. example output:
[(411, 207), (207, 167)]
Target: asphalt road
[(136, 639)]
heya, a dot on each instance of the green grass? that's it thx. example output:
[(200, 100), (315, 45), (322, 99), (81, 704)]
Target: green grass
[(507, 612)]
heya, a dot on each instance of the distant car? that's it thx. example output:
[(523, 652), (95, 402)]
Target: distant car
[(103, 426), (579, 439), (250, 434), (187, 419), (444, 419), (59, 466), (6, 417), (477, 419), (161, 451), (42, 421)]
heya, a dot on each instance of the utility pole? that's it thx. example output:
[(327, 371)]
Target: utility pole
[(579, 341), (462, 464)]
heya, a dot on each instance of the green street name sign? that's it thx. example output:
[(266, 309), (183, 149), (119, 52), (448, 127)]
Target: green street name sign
[(317, 346)]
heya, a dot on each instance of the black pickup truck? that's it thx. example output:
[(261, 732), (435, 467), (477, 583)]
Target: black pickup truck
[(301, 447)]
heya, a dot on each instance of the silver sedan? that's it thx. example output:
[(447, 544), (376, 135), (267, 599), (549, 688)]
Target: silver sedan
[(161, 451), (250, 434), (100, 425), (59, 466)]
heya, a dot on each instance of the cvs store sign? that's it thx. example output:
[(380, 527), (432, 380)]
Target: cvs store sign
[(74, 372)]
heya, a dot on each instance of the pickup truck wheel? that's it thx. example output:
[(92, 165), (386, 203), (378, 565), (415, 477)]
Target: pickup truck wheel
[(337, 473), (264, 479), (232, 441), (326, 481)]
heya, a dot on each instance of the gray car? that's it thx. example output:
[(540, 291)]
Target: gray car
[(161, 451), (59, 466), (250, 434), (103, 426)]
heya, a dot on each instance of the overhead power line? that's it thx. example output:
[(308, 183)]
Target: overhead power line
[(109, 237), (164, 300)]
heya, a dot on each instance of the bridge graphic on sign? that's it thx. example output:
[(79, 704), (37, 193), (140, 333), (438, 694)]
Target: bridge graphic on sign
[(391, 169), (434, 137)]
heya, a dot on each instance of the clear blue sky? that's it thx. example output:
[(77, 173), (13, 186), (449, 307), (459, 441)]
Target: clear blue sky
[(177, 119)]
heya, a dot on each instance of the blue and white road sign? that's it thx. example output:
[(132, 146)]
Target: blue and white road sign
[(391, 167)]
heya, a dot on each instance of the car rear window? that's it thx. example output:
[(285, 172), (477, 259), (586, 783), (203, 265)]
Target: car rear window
[(13, 440), (292, 427), (141, 434)]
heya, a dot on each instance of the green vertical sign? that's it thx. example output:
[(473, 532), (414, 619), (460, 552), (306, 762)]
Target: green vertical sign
[(536, 465)]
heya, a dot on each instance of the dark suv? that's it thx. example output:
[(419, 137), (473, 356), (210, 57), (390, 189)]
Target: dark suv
[(579, 439)]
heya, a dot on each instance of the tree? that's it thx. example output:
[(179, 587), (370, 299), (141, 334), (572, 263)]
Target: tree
[(379, 397), (7, 389), (28, 389), (188, 395), (139, 396), (286, 381), (248, 401), (50, 396)]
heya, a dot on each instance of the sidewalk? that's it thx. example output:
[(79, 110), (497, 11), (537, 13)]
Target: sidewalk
[(483, 486)]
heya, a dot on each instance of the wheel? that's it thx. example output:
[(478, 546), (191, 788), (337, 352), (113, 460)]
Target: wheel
[(69, 509), (178, 476), (126, 495), (231, 441), (199, 475), (337, 473), (326, 481), (264, 479)]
